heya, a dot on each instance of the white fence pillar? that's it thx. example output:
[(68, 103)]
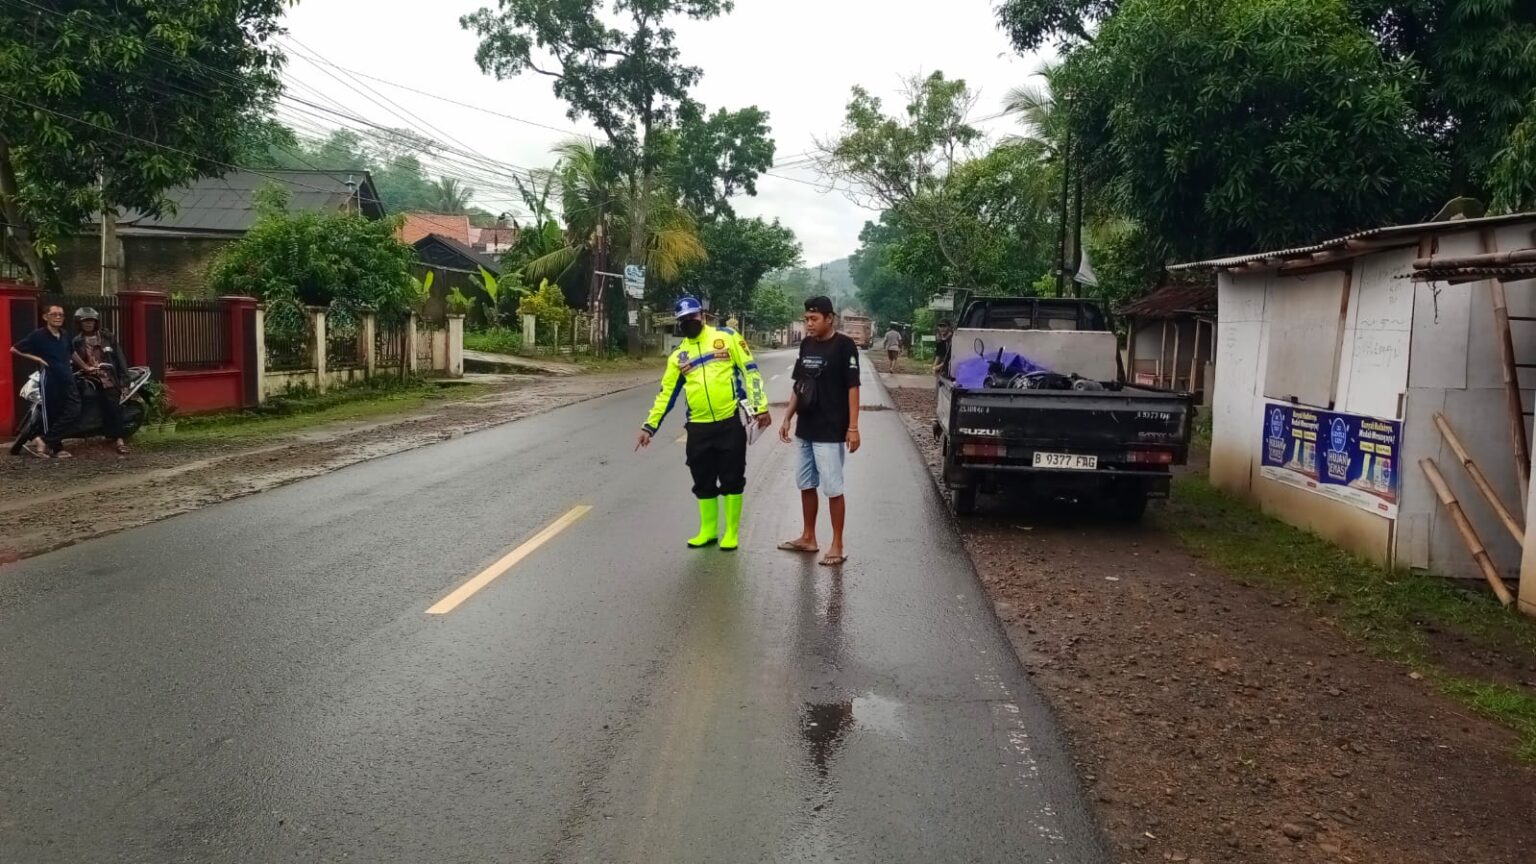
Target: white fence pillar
[(410, 344), (455, 346), (317, 345), (368, 333), (261, 353)]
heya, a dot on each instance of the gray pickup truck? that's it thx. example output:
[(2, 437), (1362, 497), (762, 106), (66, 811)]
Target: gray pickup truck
[(1034, 402)]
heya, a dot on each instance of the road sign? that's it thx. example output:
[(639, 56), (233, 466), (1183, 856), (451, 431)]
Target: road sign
[(943, 302), (634, 281)]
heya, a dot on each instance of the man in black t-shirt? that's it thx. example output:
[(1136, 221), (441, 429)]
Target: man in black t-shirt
[(826, 400)]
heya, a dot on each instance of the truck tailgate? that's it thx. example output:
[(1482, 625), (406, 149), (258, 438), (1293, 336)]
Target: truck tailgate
[(1072, 419)]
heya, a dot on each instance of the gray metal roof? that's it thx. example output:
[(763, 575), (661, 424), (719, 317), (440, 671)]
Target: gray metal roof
[(227, 204), (1387, 233)]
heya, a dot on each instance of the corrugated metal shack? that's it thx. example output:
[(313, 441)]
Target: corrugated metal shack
[(1342, 373)]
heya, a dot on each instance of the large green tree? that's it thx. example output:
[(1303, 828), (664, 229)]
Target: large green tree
[(1234, 124), (106, 104), (1473, 63), (901, 161), (717, 156), (618, 67), (741, 252)]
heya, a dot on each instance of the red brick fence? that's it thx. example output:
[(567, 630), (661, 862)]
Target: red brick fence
[(206, 351)]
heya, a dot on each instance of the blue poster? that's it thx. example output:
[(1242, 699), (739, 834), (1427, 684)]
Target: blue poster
[(1348, 457)]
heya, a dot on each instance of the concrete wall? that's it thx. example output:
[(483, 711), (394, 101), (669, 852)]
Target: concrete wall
[(1403, 351)]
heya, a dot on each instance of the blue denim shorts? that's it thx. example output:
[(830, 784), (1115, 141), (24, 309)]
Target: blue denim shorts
[(821, 466)]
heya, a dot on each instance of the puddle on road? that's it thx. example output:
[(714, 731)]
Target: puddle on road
[(825, 725)]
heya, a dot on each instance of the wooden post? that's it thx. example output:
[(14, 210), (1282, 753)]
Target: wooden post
[(1130, 350), (1478, 480), (1173, 378), (1162, 353), (1511, 373), (1194, 357), (1468, 535)]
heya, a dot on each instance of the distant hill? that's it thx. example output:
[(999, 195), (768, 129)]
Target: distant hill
[(831, 278), (839, 281)]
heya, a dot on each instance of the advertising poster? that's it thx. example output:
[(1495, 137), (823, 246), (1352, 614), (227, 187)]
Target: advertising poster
[(1347, 457)]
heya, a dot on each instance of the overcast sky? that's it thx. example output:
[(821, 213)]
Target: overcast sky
[(796, 59)]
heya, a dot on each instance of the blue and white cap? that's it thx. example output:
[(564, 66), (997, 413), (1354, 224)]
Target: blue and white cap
[(686, 306)]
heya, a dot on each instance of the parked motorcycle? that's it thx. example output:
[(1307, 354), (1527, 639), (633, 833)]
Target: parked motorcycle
[(88, 423), (1014, 376)]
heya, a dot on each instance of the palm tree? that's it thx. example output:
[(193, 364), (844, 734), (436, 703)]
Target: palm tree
[(1035, 107), (451, 196), (588, 188)]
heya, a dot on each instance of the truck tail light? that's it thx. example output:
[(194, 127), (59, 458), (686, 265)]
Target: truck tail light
[(983, 451), (1150, 457)]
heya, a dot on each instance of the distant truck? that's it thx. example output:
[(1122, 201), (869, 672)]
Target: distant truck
[(860, 329), (1034, 401)]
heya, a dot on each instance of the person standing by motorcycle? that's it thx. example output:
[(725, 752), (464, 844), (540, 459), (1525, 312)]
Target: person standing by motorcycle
[(98, 357), (49, 347), (714, 371)]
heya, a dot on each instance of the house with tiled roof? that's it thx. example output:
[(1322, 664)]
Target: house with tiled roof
[(419, 225)]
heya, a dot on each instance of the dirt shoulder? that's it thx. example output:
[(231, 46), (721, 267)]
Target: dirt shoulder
[(48, 504), (1219, 716)]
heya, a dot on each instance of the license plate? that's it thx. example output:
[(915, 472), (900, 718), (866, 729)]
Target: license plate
[(1070, 461)]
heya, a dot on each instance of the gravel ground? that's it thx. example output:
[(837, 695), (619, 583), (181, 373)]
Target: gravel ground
[(1217, 722), (48, 504)]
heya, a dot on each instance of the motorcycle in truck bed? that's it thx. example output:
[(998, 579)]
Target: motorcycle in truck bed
[(1041, 408)]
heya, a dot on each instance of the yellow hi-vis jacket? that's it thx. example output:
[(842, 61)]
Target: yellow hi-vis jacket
[(715, 372)]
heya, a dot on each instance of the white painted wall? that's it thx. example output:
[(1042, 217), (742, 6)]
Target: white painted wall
[(1237, 409)]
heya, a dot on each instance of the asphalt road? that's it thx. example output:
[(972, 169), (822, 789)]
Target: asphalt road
[(260, 681)]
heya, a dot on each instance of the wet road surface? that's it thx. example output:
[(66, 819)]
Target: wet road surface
[(260, 681)]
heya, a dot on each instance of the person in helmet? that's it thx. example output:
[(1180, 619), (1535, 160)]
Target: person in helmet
[(715, 375), (100, 360)]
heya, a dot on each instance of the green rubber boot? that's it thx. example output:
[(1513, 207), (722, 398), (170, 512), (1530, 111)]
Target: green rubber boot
[(728, 540), (709, 524)]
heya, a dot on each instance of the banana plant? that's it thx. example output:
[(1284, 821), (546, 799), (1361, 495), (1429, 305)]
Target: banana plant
[(509, 286)]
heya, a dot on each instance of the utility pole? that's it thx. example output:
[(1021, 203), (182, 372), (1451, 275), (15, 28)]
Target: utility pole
[(1077, 238), (111, 258), (599, 330), (1061, 238)]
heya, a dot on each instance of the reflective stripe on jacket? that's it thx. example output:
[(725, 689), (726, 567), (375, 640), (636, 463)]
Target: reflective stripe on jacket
[(713, 373)]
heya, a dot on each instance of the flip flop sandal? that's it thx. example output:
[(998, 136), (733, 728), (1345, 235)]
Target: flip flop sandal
[(36, 452), (833, 561), (792, 546)]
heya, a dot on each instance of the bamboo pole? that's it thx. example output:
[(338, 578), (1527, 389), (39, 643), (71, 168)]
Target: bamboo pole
[(1512, 399), (1468, 535), (1480, 481)]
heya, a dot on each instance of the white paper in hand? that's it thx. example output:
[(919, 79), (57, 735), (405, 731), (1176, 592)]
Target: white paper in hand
[(749, 421)]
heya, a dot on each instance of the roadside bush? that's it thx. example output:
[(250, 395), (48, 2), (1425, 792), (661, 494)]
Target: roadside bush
[(316, 259)]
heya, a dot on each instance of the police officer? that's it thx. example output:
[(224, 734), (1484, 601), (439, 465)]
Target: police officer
[(714, 372)]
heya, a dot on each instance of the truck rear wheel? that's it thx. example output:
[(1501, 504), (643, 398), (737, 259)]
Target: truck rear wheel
[(1129, 505), (963, 500)]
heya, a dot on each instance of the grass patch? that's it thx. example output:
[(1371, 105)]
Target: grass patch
[(292, 412), (495, 340), (1390, 611)]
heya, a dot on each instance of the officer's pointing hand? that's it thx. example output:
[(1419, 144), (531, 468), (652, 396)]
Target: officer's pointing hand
[(645, 440)]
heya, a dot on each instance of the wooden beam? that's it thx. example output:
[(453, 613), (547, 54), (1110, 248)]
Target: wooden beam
[(1481, 482), (1468, 534)]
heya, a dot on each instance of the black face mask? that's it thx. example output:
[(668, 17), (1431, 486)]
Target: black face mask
[(691, 327)]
